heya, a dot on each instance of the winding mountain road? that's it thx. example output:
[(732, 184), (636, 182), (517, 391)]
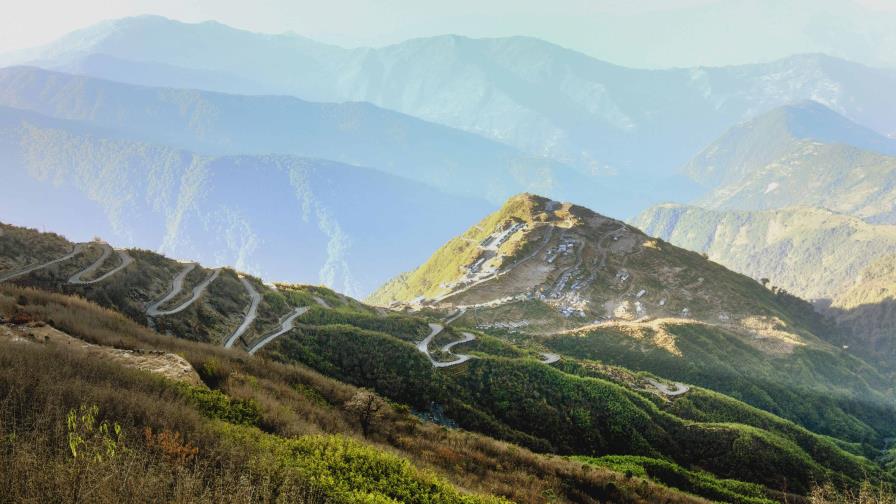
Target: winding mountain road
[(286, 325), (153, 311), (680, 388), (435, 329), (76, 278), (423, 345), (177, 285), (250, 314), (124, 259), (544, 242), (461, 358), (77, 249)]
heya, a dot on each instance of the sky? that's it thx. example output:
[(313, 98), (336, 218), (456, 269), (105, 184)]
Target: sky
[(638, 33)]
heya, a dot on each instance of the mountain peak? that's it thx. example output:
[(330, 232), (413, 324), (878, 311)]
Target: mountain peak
[(810, 119), (770, 136), (550, 266)]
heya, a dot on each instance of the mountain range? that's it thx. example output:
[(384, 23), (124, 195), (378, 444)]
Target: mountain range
[(581, 282), (354, 133), (801, 196), (285, 216), (629, 127), (800, 155)]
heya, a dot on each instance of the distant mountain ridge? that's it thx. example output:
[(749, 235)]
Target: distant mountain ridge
[(353, 133), (627, 125), (285, 216), (811, 252), (755, 143), (800, 195), (800, 155)]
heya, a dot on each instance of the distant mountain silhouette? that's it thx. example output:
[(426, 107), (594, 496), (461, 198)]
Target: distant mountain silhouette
[(290, 218), (539, 97)]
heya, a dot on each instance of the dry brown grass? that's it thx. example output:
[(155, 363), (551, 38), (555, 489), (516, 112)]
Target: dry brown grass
[(39, 384), (866, 494)]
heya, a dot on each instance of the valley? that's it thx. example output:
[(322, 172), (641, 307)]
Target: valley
[(440, 360)]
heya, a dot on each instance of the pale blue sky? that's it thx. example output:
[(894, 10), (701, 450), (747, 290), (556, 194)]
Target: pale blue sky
[(644, 33)]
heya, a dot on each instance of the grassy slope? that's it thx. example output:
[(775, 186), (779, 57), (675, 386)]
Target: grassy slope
[(824, 390), (446, 264), (547, 409), (215, 315), (240, 426), (353, 343)]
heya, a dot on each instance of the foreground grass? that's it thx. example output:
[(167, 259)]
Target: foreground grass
[(257, 431), (696, 482)]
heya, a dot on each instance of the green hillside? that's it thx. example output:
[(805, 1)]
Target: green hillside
[(647, 305), (814, 253), (577, 406), (79, 424), (547, 409)]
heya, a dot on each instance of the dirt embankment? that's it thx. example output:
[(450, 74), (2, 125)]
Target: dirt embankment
[(168, 365)]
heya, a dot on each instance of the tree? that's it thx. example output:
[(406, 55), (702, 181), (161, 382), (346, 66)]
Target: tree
[(367, 407)]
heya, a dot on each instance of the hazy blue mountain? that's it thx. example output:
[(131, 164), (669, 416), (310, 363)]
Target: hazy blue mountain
[(541, 98), (753, 144), (285, 217), (806, 198), (801, 155), (354, 133), (795, 196)]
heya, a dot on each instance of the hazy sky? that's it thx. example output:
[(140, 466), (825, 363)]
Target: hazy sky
[(644, 33)]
